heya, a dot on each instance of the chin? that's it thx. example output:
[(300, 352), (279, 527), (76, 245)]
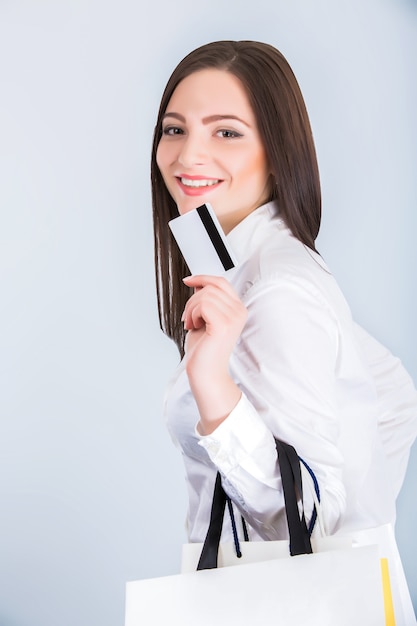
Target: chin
[(186, 207)]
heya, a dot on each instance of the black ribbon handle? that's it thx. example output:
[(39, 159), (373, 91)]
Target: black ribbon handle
[(292, 486), (293, 492)]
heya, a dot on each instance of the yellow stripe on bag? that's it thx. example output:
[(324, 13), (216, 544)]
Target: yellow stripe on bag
[(386, 587)]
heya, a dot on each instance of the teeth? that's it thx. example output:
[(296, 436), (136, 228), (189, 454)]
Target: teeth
[(198, 183)]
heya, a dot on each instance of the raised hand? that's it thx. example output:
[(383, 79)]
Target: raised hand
[(214, 317)]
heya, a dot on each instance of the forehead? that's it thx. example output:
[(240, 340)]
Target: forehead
[(210, 91)]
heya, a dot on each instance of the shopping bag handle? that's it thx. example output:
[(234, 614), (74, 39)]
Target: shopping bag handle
[(292, 486), (293, 492)]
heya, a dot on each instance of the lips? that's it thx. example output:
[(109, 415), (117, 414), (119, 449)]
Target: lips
[(197, 185)]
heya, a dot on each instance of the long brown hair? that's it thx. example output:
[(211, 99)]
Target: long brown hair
[(285, 132)]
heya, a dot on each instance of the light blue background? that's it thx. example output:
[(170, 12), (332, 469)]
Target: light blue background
[(91, 487)]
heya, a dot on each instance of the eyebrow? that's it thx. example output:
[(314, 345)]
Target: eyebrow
[(209, 119)]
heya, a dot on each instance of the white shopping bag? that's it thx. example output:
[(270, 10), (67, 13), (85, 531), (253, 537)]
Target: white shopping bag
[(398, 604), (255, 551), (397, 600), (336, 588), (330, 581)]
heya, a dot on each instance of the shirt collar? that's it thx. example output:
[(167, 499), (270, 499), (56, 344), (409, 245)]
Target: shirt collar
[(251, 231)]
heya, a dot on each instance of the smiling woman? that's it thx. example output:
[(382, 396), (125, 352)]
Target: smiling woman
[(269, 350), (210, 146)]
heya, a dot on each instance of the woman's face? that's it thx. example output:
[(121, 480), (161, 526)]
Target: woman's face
[(210, 149)]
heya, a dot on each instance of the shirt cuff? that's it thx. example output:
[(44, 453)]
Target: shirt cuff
[(241, 440)]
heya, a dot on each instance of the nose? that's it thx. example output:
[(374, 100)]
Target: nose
[(193, 151)]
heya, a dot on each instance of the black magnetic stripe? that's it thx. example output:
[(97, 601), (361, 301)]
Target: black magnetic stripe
[(215, 237)]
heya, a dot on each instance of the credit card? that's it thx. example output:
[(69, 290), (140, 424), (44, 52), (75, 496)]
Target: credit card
[(202, 242)]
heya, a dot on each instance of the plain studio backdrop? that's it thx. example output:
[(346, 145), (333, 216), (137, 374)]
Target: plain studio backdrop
[(92, 491)]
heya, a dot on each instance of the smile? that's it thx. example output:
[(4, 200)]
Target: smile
[(188, 182)]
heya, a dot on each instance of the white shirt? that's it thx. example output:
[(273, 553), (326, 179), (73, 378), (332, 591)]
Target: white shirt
[(310, 376)]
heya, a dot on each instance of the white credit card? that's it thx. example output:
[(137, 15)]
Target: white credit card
[(202, 242)]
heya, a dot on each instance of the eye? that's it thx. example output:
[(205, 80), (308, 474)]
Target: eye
[(172, 130), (228, 134)]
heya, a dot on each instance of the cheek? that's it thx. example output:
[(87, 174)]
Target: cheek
[(165, 153), (255, 171), (261, 166), (160, 156), (162, 161)]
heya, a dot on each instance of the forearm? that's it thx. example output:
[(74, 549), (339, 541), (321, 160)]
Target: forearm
[(243, 450), (216, 395)]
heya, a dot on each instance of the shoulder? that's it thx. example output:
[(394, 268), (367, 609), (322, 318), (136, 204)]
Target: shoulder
[(282, 264)]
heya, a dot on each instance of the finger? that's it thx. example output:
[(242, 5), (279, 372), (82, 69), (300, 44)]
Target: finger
[(200, 281), (210, 299), (213, 308)]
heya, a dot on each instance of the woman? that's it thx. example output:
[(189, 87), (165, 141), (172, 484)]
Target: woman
[(270, 349)]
